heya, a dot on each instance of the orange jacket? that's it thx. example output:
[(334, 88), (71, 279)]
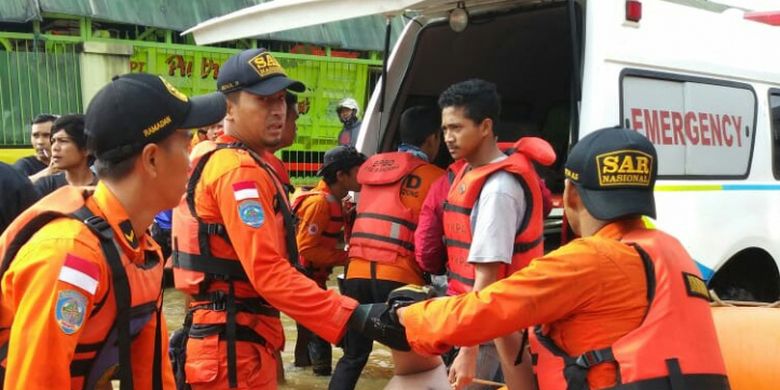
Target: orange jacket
[(394, 186), (59, 302), (239, 197), (676, 341), (280, 170), (464, 193), (320, 228), (588, 293)]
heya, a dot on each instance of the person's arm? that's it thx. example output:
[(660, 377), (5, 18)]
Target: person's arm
[(429, 250), (546, 290), (49, 313), (257, 238), (314, 214)]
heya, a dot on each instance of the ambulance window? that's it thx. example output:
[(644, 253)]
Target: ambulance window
[(774, 104), (700, 128)]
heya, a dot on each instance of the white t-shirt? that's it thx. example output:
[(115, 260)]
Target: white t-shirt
[(496, 217)]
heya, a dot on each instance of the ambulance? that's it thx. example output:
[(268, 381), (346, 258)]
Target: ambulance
[(699, 79)]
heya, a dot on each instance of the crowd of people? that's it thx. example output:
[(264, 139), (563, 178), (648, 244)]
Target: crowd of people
[(148, 173)]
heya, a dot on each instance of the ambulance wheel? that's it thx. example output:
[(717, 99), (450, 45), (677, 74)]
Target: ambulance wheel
[(751, 275)]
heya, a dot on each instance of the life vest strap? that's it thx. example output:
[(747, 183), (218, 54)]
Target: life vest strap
[(370, 236), (243, 333), (219, 268), (218, 302), (389, 218), (335, 235), (460, 278), (521, 247), (595, 357), (456, 209)]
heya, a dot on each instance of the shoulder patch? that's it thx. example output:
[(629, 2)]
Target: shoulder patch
[(313, 229), (70, 311), (245, 190), (251, 213), (696, 286), (80, 273)]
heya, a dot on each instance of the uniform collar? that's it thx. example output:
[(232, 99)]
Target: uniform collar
[(115, 214), (618, 229), (322, 187)]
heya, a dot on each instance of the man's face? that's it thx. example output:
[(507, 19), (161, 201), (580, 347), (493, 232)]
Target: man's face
[(40, 137), (350, 180), (290, 128), (260, 117), (345, 113), (173, 162), (65, 153), (461, 134)]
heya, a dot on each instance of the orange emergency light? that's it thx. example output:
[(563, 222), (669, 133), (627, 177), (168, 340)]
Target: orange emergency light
[(633, 10)]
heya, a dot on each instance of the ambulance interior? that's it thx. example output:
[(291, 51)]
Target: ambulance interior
[(526, 52)]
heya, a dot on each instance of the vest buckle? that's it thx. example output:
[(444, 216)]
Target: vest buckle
[(595, 357)]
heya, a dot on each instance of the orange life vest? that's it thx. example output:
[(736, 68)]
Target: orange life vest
[(464, 193), (675, 347), (335, 228), (195, 268), (384, 226), (99, 351)]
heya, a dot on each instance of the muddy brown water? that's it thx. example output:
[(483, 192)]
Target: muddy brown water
[(376, 374)]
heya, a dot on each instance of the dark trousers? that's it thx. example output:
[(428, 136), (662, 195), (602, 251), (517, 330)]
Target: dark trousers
[(356, 346), (311, 350)]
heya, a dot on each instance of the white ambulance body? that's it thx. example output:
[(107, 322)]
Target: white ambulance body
[(700, 83)]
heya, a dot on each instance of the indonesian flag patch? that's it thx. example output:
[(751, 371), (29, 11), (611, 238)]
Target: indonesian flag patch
[(80, 273), (245, 190)]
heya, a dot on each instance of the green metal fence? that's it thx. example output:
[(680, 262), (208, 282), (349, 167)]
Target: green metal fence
[(35, 78)]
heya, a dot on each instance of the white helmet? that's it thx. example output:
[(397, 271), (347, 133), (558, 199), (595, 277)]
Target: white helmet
[(349, 103)]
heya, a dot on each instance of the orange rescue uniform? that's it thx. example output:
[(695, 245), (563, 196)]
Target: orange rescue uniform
[(52, 311), (319, 231), (405, 269), (235, 192), (589, 293)]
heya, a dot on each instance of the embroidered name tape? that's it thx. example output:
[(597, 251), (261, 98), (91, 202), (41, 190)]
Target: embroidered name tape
[(80, 273)]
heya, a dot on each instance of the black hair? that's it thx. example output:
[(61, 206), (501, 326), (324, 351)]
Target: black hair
[(479, 99), (43, 118), (115, 170), (418, 123), (291, 99), (73, 125)]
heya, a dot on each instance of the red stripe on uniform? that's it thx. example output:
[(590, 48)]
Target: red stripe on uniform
[(243, 185), (84, 266)]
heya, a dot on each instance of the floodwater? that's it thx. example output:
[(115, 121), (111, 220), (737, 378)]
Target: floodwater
[(376, 374)]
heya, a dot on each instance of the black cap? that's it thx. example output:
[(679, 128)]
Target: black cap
[(137, 109), (614, 171), (341, 157), (257, 72)]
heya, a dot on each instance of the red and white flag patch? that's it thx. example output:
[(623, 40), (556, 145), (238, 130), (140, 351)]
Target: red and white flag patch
[(80, 273), (245, 190)]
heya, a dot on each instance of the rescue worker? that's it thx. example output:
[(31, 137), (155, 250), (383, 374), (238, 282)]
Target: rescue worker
[(320, 232), (623, 307), (348, 111), (493, 223), (289, 133), (82, 283), (381, 249), (234, 241), (40, 139)]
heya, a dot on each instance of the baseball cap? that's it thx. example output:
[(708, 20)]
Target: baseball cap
[(341, 157), (137, 109), (257, 72), (614, 170)]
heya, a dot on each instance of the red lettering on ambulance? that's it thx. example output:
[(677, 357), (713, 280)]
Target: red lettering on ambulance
[(704, 128), (677, 128), (726, 122), (651, 125), (715, 127), (738, 127), (665, 128), (691, 129)]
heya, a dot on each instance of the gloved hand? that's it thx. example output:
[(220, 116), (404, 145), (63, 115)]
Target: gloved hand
[(379, 322), (407, 295)]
